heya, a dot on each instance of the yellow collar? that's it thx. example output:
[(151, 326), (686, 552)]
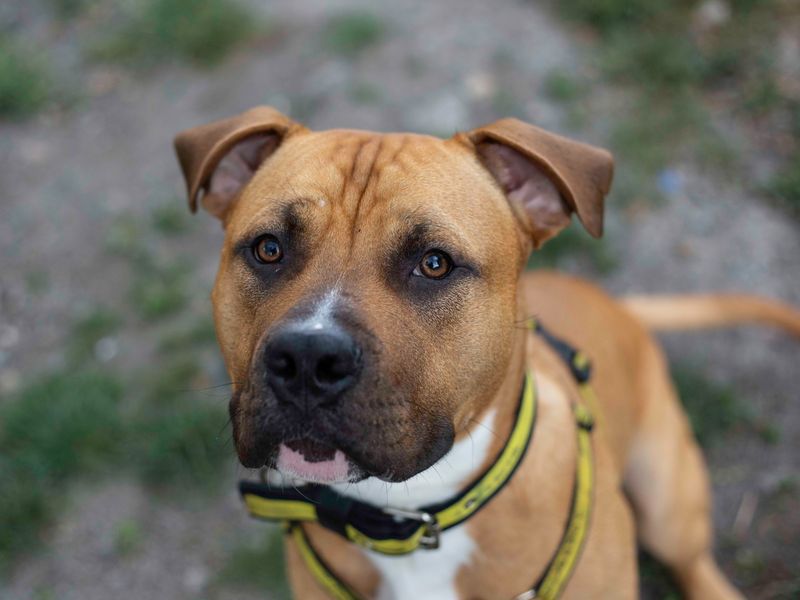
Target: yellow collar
[(391, 530)]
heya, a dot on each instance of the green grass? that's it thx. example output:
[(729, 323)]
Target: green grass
[(170, 219), (158, 285), (198, 334), (713, 409), (658, 129), (562, 87), (607, 16), (785, 185), (570, 93), (160, 291), (127, 537), (25, 83), (363, 92), (181, 444), (88, 330), (199, 32), (653, 59), (71, 424), (350, 34), (258, 566), (81, 421), (67, 9), (124, 238), (177, 434), (58, 427), (173, 379)]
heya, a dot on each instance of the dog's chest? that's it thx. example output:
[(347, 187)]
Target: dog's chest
[(425, 574), (429, 574)]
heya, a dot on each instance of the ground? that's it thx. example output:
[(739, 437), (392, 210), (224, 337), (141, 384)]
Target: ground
[(104, 275)]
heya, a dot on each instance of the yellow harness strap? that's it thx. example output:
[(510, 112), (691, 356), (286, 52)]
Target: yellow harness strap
[(555, 577), (320, 571)]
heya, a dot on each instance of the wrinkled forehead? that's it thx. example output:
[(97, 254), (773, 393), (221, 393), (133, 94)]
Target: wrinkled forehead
[(406, 180)]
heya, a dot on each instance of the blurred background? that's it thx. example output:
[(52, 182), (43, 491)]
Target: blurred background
[(116, 470)]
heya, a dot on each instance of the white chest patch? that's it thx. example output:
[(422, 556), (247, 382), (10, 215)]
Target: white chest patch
[(425, 574), (428, 574)]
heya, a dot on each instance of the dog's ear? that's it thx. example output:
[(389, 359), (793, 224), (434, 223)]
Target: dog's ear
[(546, 177), (221, 157)]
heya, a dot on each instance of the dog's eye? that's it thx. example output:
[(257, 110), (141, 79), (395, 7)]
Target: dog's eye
[(434, 265), (267, 249)]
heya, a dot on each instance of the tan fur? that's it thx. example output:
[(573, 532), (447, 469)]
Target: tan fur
[(664, 313), (356, 193)]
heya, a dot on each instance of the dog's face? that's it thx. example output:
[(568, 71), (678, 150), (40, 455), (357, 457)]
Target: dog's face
[(365, 302)]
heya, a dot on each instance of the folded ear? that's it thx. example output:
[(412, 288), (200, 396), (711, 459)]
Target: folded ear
[(221, 157), (546, 177)]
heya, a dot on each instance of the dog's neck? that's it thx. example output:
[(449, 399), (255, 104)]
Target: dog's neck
[(476, 446), (472, 452)]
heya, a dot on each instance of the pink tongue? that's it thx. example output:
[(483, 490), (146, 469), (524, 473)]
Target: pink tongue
[(292, 462)]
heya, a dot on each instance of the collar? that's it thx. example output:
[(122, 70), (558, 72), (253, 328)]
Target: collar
[(393, 530), (422, 528)]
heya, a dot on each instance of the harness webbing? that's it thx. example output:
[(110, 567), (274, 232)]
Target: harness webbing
[(390, 531)]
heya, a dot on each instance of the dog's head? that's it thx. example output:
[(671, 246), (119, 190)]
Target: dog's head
[(367, 290)]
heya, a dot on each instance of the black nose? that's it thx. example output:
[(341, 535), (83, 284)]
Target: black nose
[(311, 367)]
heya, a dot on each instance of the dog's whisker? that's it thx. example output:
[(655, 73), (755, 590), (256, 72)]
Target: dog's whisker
[(447, 462), (435, 470), (485, 426), (208, 388), (228, 422), (296, 489)]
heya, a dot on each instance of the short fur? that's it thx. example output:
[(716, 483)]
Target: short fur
[(356, 210)]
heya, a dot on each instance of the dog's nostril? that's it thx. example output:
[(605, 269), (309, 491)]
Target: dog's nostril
[(332, 368), (284, 366)]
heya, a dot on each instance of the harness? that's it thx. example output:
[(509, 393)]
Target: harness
[(395, 531)]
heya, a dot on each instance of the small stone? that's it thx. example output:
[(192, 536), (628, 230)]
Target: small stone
[(684, 249), (711, 14), (9, 381), (9, 336), (106, 349), (195, 579), (33, 151), (480, 85), (669, 182)]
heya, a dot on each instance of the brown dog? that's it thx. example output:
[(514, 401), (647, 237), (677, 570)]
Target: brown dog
[(370, 305)]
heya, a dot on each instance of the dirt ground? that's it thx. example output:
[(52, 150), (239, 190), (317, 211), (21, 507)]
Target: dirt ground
[(67, 179)]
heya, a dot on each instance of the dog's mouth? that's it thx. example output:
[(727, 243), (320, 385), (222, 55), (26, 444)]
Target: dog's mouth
[(314, 462)]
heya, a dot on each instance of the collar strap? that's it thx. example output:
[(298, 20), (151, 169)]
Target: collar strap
[(556, 575), (390, 530)]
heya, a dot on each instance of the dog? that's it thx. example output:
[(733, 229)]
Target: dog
[(373, 312)]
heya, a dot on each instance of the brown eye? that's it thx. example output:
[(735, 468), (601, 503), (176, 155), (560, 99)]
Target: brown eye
[(267, 250), (434, 265)]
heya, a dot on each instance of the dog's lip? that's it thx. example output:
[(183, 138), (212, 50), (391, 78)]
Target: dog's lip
[(312, 461)]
